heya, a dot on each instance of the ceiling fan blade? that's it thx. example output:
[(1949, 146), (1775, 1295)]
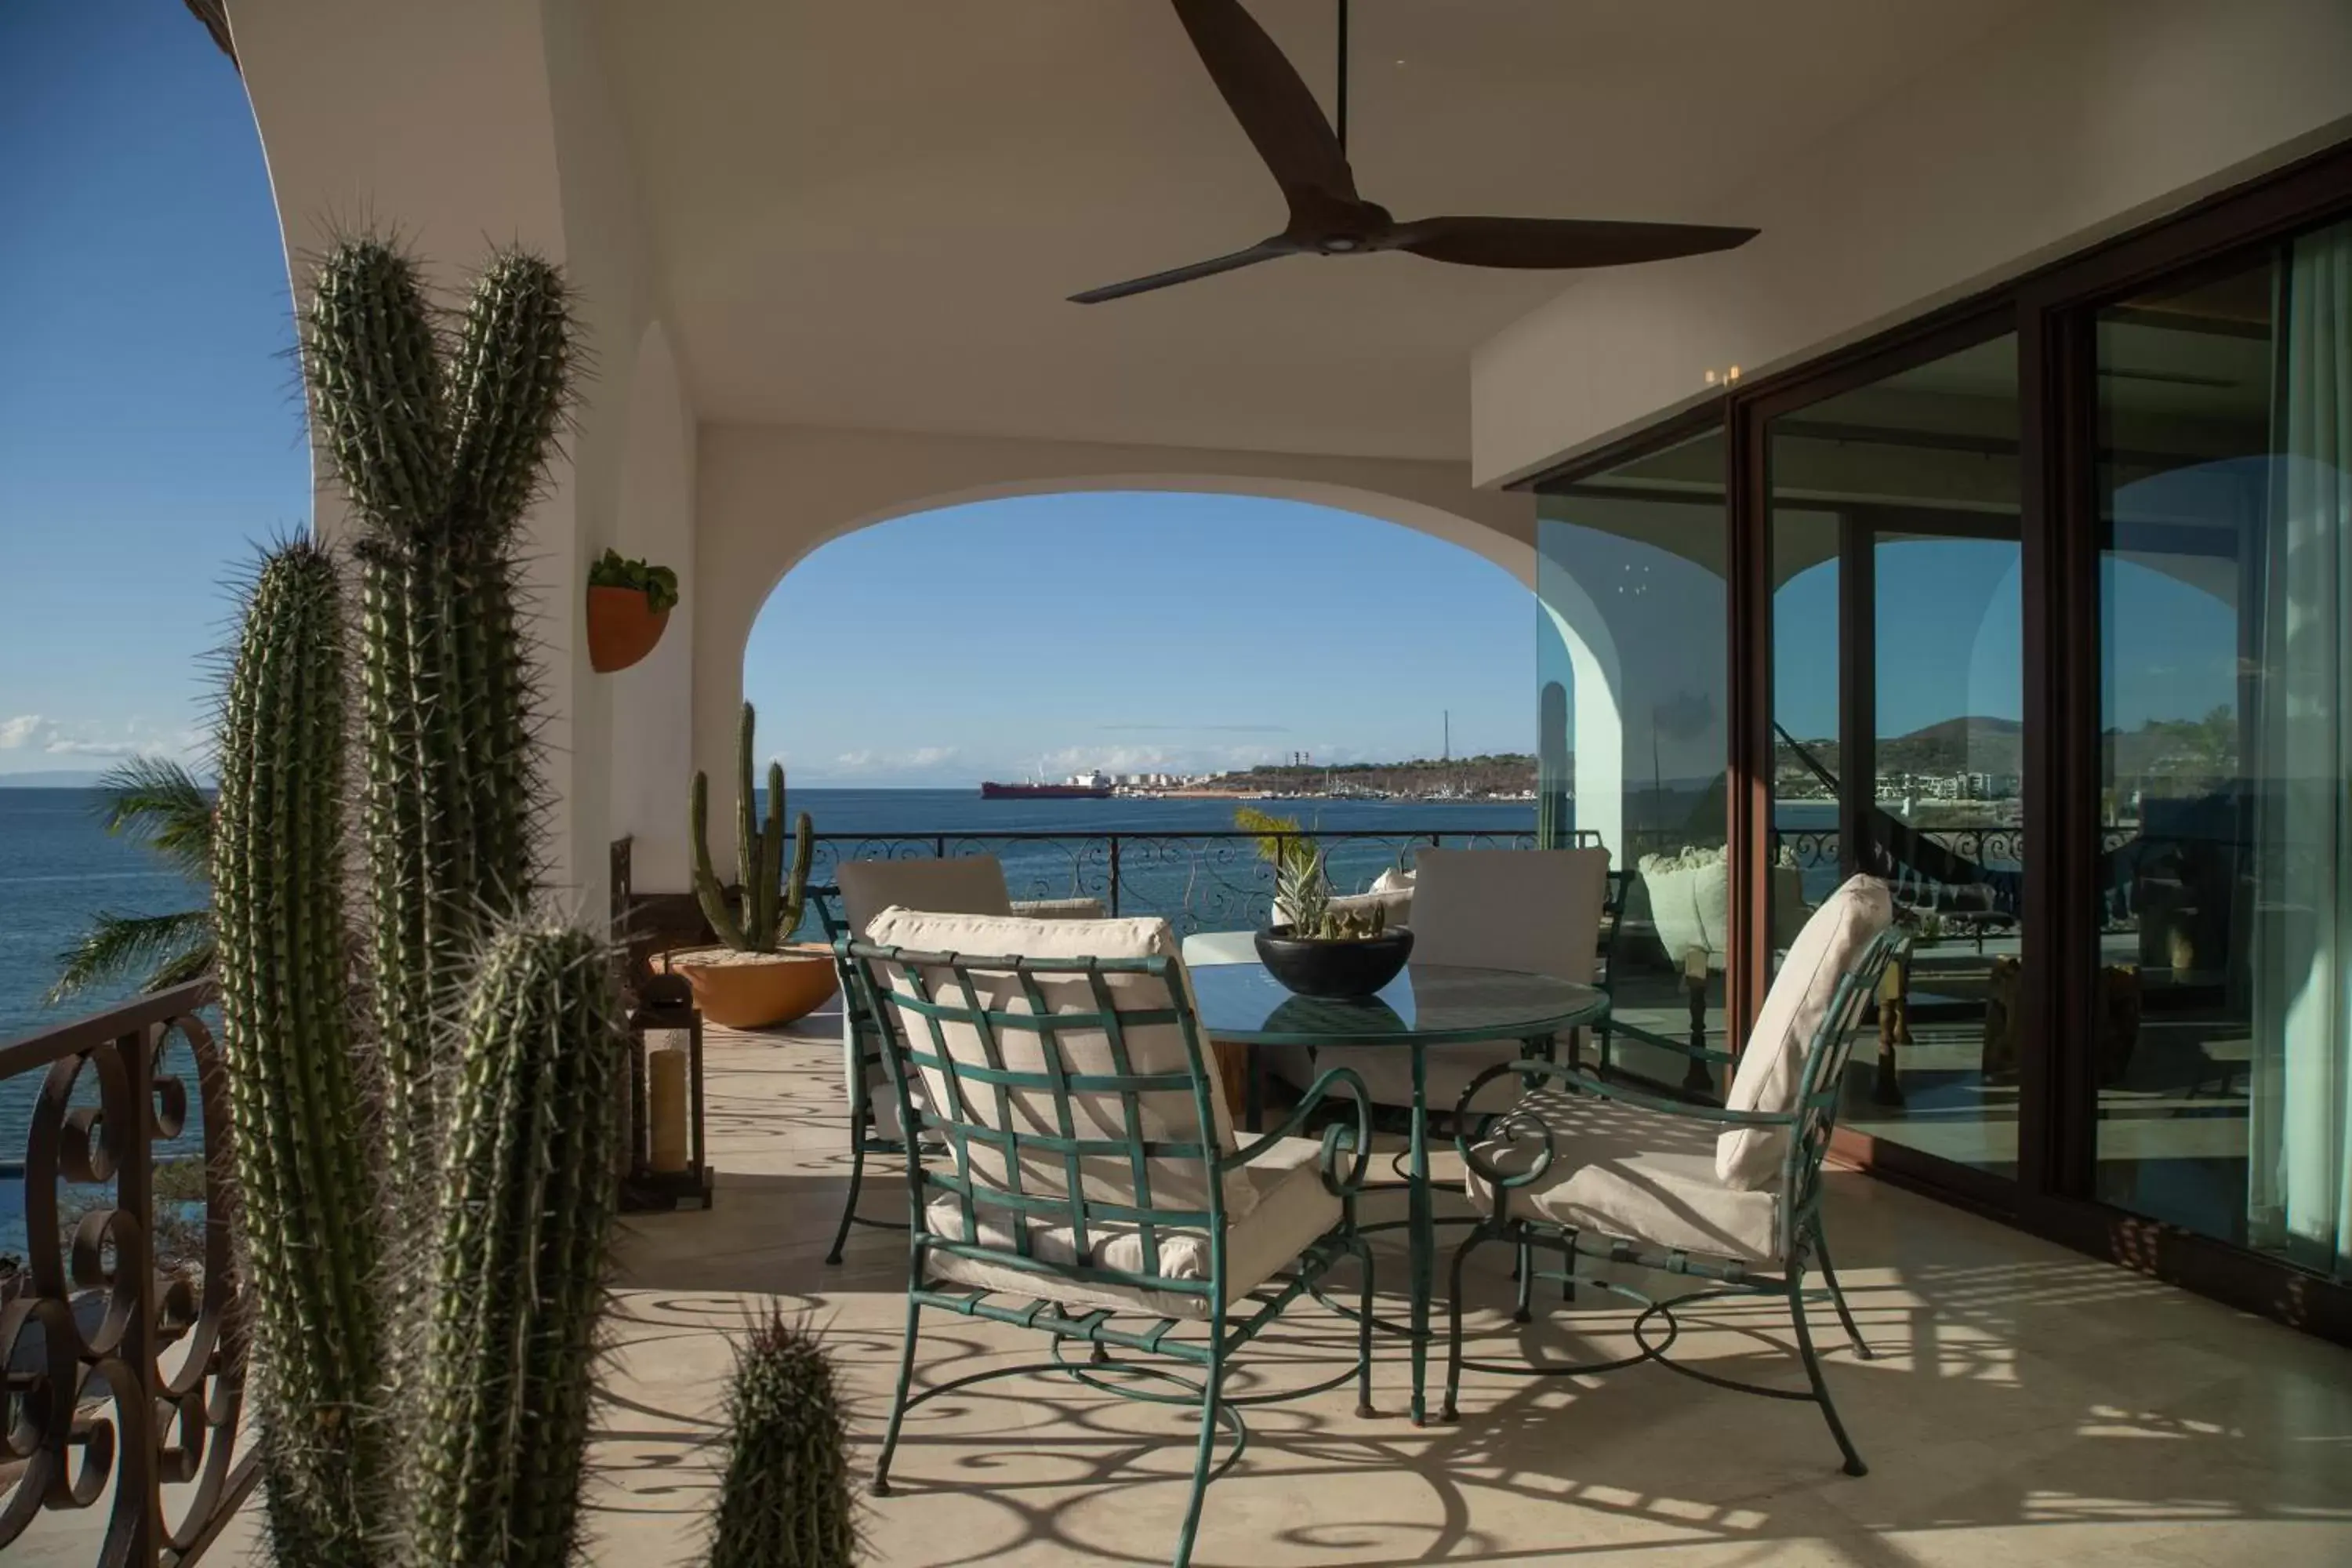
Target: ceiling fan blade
[(1552, 242), (1275, 107), (1265, 250)]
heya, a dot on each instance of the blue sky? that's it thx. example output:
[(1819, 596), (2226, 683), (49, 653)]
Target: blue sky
[(151, 433), (148, 427), (1136, 633)]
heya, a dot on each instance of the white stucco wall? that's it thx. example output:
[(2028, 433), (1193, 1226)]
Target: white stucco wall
[(768, 495), (368, 116), (2073, 121)]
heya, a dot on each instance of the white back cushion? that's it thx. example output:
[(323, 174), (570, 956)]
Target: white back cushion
[(962, 885), (1532, 909), (1772, 1065), (1161, 1116)]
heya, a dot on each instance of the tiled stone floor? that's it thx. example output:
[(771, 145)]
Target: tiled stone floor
[(2027, 1406)]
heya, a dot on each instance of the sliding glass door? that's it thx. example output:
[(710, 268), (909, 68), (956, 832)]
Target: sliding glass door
[(2040, 610), (2222, 1048), (1896, 638)]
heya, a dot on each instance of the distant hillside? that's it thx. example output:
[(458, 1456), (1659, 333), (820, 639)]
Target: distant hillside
[(1978, 743)]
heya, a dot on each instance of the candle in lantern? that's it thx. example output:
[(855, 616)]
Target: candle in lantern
[(666, 1095)]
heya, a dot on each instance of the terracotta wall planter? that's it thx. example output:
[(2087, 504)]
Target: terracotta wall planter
[(622, 628), (757, 991)]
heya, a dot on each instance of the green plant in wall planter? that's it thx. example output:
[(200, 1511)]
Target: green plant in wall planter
[(629, 604)]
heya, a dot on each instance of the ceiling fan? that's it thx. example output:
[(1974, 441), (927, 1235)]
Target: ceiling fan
[(1310, 160)]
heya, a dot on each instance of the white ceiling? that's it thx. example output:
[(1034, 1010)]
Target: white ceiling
[(870, 213)]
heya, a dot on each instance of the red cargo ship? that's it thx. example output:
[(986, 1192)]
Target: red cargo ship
[(1045, 792)]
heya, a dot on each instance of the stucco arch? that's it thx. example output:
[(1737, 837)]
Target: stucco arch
[(767, 496)]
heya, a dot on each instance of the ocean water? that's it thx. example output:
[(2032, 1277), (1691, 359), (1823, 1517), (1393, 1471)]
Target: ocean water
[(58, 867)]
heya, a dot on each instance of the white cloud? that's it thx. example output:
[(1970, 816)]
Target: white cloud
[(63, 747), (35, 732), (868, 763)]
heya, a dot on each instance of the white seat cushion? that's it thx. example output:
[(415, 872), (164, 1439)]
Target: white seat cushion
[(1290, 1208), (1772, 1064), (1533, 910), (1618, 1170), (962, 884), (1167, 1116)]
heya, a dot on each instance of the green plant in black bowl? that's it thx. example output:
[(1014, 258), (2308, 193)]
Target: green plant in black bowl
[(1320, 951)]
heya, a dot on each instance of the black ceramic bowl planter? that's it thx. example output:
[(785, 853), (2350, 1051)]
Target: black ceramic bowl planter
[(1334, 968)]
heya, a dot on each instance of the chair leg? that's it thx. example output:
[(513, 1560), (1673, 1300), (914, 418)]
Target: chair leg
[(1854, 1465), (898, 1402), (1524, 1312), (1447, 1412), (1364, 1410), (1209, 1389), (1837, 1297), (857, 1180)]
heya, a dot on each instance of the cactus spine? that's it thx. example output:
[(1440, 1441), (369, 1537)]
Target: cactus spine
[(769, 899), (440, 448), (784, 1500), (523, 1215), (294, 1098)]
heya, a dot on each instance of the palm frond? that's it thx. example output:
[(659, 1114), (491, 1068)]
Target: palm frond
[(156, 802), (1280, 840), (173, 948)]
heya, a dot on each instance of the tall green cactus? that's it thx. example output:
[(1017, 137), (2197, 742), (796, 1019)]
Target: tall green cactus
[(295, 1102), (527, 1192), (784, 1498), (770, 900), (440, 445)]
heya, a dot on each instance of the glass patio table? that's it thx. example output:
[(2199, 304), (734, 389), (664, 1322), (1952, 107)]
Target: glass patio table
[(1426, 1007)]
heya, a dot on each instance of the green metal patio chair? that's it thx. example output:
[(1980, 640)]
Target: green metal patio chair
[(862, 1048), (969, 884), (1597, 1172), (1090, 1184)]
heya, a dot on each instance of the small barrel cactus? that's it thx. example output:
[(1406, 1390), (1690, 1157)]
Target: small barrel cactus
[(771, 898), (295, 1101), (527, 1190), (785, 1501)]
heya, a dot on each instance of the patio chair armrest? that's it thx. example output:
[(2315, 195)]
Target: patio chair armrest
[(1523, 1118), (1340, 1139)]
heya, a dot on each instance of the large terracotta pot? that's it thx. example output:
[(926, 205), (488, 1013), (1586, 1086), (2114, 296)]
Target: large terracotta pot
[(623, 627), (756, 990)]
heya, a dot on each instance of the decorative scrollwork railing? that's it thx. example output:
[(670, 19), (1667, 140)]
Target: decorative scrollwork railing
[(1993, 857), (1213, 880), (122, 1365)]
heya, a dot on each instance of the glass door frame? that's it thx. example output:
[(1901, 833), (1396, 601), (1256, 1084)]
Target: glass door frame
[(2051, 310), (1752, 414)]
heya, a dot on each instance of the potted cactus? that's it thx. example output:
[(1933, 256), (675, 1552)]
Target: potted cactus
[(754, 975), (1318, 950), (629, 604)]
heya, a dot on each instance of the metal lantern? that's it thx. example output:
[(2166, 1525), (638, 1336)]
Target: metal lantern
[(665, 1169)]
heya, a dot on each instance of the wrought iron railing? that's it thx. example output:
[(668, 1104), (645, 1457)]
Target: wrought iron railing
[(1214, 880), (1819, 852), (120, 1341)]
